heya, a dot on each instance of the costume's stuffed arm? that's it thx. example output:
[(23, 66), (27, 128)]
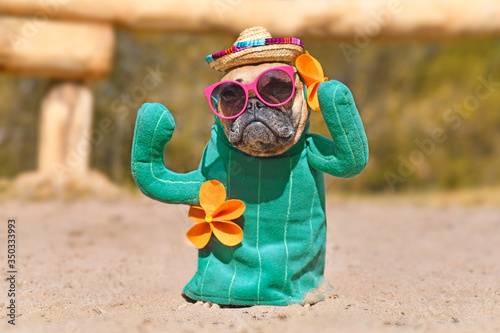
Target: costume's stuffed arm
[(347, 154), (153, 130)]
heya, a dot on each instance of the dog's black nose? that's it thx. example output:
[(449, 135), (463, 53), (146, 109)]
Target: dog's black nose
[(254, 104)]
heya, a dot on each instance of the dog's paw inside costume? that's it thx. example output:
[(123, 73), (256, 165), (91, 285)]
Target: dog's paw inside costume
[(258, 197)]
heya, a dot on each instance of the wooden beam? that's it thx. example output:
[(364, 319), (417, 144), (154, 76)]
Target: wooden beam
[(341, 19), (66, 119), (60, 50), (66, 141)]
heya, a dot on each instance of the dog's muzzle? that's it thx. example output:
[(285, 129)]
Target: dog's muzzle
[(261, 128)]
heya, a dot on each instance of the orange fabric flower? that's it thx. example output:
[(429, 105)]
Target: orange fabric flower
[(214, 215), (311, 71)]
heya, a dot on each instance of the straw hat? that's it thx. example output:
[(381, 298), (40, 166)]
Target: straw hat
[(254, 46)]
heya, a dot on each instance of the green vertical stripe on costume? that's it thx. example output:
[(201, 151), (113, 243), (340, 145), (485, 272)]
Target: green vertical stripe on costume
[(232, 250), (258, 229), (232, 279), (286, 223), (205, 274)]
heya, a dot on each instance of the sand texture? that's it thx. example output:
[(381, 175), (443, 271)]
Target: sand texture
[(92, 266)]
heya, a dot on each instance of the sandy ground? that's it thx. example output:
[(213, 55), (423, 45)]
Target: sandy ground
[(91, 266)]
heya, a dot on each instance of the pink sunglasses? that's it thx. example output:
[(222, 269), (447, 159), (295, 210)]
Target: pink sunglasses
[(229, 99)]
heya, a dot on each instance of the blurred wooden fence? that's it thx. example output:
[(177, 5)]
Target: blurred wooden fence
[(306, 18), (73, 41)]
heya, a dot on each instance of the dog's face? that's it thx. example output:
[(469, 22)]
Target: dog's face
[(264, 130)]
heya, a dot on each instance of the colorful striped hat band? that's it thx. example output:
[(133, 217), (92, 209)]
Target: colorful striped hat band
[(254, 46), (253, 43)]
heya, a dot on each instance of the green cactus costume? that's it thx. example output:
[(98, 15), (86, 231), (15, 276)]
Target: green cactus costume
[(282, 255)]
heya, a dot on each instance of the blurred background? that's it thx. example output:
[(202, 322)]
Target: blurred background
[(425, 77), (411, 240)]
